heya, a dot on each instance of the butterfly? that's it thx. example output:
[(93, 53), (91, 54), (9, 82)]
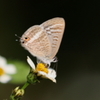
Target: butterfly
[(43, 41)]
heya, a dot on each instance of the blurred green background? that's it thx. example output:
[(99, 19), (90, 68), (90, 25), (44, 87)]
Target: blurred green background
[(79, 55)]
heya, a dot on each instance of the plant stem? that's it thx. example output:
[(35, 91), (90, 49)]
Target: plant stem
[(25, 86)]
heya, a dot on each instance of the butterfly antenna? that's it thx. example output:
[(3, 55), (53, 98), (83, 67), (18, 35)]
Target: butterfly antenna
[(17, 37)]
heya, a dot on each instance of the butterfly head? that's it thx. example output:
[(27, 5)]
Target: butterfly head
[(24, 39)]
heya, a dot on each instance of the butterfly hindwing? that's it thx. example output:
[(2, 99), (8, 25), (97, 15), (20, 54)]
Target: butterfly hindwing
[(54, 29)]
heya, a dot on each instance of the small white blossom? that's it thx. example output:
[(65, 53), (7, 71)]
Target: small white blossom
[(43, 71), (6, 70)]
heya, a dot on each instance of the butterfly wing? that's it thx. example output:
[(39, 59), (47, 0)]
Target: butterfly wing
[(36, 41), (54, 29), (43, 40)]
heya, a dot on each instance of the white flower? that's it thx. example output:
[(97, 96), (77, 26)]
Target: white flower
[(6, 70), (42, 70)]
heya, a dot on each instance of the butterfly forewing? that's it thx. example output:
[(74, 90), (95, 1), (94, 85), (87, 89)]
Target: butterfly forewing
[(54, 29), (39, 44)]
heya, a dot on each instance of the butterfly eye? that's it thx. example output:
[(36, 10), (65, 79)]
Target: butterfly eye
[(23, 42), (27, 38)]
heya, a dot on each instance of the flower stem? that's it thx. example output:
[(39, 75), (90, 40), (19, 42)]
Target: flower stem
[(25, 85)]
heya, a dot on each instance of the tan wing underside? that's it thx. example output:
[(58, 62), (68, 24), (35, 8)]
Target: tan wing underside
[(54, 29), (40, 47)]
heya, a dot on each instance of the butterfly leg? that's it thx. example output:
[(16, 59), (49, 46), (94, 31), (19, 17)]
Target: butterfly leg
[(55, 59)]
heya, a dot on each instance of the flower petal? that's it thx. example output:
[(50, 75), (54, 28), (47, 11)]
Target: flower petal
[(2, 61), (5, 78), (10, 69), (52, 79), (41, 73), (30, 62), (51, 75)]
